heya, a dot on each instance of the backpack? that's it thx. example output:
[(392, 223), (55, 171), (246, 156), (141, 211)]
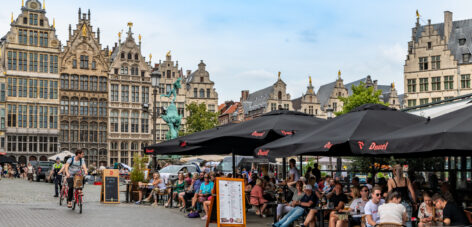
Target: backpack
[(79, 163), (193, 214)]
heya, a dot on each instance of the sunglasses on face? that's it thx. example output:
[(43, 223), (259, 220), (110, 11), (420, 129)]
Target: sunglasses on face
[(377, 194), (364, 190)]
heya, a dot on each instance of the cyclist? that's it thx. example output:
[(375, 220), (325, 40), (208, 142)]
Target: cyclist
[(57, 176), (74, 166)]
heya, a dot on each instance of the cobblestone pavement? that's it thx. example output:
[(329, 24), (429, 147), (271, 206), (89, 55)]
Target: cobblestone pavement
[(26, 204)]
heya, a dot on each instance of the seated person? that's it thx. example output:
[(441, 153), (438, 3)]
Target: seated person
[(302, 207), (452, 214), (189, 193), (247, 186), (371, 209), (297, 195), (179, 187), (196, 195), (257, 198), (204, 193), (427, 213), (158, 185), (360, 199), (393, 211), (269, 189), (338, 198), (144, 188)]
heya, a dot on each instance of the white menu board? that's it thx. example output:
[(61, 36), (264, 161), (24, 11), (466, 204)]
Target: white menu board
[(230, 202)]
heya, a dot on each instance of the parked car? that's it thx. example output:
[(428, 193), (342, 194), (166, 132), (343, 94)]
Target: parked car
[(170, 173), (41, 168)]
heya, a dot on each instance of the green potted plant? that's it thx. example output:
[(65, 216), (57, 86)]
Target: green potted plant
[(137, 174)]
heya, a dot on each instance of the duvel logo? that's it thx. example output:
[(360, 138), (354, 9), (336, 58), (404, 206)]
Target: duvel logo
[(148, 151), (263, 152), (183, 144), (285, 133), (328, 145), (378, 147), (361, 144), (257, 134)]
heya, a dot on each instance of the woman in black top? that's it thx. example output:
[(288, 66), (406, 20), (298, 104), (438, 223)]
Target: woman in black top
[(402, 185)]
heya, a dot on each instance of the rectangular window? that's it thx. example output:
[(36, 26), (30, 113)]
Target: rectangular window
[(423, 61), (144, 123), (135, 93), (2, 92), (465, 81), (84, 62), (35, 38), (208, 93), (12, 60), (103, 84), (94, 83), (13, 87), (22, 36), (53, 64), (273, 106), (145, 94), (114, 92), (466, 58), (74, 83), (43, 63), (11, 115), (22, 61), (65, 106), (423, 101), (411, 102), (195, 92), (33, 62), (448, 83), (423, 84), (53, 89), (124, 93), (435, 99), (22, 116), (74, 64), (436, 83), (33, 88), (411, 85), (84, 83)]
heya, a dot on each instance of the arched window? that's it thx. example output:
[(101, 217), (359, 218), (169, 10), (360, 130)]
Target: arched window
[(74, 106), (94, 107), (84, 132), (202, 93), (65, 81), (168, 73), (135, 56), (114, 120), (124, 146), (64, 131), (124, 121), (94, 132), (74, 82), (102, 137), (279, 95), (129, 55), (102, 112), (84, 83), (144, 123), (74, 132), (94, 83), (83, 107), (122, 55), (64, 105), (195, 92), (134, 146), (135, 121)]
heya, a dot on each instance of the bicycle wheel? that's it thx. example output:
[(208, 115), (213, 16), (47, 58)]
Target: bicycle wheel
[(80, 204), (61, 198), (73, 204)]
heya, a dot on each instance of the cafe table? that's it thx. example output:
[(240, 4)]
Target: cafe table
[(321, 211)]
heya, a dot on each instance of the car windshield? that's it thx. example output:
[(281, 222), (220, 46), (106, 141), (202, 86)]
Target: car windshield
[(170, 169), (226, 166)]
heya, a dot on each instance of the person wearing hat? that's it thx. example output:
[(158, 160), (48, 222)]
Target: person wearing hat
[(57, 176), (308, 201)]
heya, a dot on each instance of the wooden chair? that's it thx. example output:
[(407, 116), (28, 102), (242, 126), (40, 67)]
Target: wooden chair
[(389, 224)]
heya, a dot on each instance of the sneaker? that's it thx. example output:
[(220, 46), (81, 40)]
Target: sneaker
[(138, 202), (146, 200), (204, 217), (56, 196)]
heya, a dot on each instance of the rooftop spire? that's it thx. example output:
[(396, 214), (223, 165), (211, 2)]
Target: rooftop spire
[(339, 74), (44, 4), (54, 22), (12, 17), (279, 75), (22, 3)]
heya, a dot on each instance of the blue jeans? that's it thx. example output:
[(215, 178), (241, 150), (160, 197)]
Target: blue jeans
[(290, 217)]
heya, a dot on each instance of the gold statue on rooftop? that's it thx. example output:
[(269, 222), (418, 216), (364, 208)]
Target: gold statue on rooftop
[(339, 74), (168, 53), (279, 75), (309, 78), (84, 30)]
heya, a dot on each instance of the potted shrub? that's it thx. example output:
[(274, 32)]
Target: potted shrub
[(137, 174)]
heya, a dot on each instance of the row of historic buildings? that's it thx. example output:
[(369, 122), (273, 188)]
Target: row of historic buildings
[(319, 104), (80, 95)]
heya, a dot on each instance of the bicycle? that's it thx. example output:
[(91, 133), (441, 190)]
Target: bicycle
[(64, 191), (78, 195)]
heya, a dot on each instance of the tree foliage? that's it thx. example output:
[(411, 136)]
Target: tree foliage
[(360, 95), (200, 118)]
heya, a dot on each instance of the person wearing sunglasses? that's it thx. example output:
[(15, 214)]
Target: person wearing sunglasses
[(372, 207)]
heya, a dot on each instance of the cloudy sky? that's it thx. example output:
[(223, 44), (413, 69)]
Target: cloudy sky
[(245, 42)]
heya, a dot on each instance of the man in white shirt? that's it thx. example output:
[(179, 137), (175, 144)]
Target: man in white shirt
[(393, 211), (371, 209)]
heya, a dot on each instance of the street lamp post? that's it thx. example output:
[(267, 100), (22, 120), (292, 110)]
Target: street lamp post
[(155, 80), (329, 113)]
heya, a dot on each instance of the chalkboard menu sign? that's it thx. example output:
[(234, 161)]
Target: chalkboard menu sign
[(110, 186)]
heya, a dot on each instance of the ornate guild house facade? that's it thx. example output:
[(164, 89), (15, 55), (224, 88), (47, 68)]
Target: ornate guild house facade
[(84, 92), (129, 89), (29, 92)]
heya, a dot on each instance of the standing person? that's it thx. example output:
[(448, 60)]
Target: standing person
[(316, 171), (452, 214), (402, 185), (57, 176), (371, 209), (74, 166), (30, 172), (293, 173), (393, 211)]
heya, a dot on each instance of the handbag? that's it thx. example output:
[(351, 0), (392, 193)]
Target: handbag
[(202, 199)]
